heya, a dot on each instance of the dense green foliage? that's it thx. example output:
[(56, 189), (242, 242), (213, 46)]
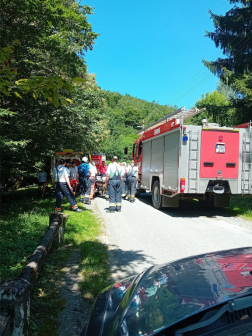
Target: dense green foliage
[(125, 116), (48, 101), (42, 48), (233, 35), (219, 108)]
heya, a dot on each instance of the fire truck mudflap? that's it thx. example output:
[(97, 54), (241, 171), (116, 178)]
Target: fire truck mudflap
[(183, 162)]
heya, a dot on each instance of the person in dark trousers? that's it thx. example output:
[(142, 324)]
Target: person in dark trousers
[(85, 184), (123, 166), (63, 187), (114, 180), (132, 177)]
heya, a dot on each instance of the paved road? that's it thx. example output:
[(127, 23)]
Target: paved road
[(141, 236)]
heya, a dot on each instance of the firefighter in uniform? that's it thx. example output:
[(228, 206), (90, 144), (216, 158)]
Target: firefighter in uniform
[(114, 179), (123, 166), (85, 184), (132, 177)]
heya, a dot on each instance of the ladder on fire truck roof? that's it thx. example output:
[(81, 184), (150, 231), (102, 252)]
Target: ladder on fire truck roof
[(181, 113)]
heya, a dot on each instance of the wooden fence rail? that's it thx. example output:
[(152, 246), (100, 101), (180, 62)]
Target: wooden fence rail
[(15, 294)]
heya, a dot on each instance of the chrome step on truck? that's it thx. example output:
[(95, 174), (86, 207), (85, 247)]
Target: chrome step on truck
[(178, 161)]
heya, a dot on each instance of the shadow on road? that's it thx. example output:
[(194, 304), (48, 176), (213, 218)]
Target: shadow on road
[(127, 263), (187, 209)]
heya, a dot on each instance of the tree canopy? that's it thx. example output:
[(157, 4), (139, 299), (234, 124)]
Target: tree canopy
[(233, 32), (42, 110)]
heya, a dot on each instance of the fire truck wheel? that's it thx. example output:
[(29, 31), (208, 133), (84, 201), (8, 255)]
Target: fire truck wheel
[(156, 197)]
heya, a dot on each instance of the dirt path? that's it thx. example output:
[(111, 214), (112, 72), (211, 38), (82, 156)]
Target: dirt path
[(76, 313)]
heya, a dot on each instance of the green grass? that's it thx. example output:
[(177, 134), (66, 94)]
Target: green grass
[(46, 302), (25, 219), (241, 206), (23, 222)]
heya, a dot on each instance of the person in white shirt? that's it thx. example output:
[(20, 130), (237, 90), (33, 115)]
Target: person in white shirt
[(92, 179), (63, 187), (74, 176), (42, 179), (114, 180)]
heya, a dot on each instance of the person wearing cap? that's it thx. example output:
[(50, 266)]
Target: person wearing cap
[(84, 171), (92, 179), (114, 179), (63, 187)]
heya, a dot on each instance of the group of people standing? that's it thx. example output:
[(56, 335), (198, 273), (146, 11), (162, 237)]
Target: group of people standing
[(121, 181), (66, 181), (63, 186), (87, 174)]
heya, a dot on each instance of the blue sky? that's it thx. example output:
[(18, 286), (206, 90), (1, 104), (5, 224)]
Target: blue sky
[(150, 49)]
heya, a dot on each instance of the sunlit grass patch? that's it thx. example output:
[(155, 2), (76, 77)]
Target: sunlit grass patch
[(241, 206), (94, 265)]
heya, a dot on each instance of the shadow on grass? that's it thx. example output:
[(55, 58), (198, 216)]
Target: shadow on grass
[(96, 269)]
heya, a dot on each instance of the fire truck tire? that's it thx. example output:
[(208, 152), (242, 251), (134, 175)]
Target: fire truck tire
[(156, 197)]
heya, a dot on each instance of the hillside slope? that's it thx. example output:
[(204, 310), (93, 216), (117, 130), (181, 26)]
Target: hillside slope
[(123, 115)]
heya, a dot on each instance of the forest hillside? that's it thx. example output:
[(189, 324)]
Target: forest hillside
[(125, 115)]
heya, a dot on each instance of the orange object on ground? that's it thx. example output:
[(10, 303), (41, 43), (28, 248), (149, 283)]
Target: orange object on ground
[(92, 180), (74, 184)]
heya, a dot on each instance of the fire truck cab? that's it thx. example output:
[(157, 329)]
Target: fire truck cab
[(183, 162)]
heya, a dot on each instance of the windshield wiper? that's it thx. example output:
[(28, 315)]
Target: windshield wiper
[(231, 306)]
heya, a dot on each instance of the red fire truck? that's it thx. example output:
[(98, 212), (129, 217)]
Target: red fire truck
[(182, 162)]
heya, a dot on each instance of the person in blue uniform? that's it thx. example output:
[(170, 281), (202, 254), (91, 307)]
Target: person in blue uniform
[(132, 177), (84, 171), (114, 180), (123, 167)]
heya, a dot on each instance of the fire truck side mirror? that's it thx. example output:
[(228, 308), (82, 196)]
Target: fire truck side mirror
[(126, 150)]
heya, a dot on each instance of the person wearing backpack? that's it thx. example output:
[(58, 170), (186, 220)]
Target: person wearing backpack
[(85, 184), (63, 187)]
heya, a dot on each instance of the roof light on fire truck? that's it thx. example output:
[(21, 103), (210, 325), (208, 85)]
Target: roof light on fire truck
[(185, 138)]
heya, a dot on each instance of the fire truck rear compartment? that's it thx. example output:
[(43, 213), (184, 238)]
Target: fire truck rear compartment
[(219, 155)]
